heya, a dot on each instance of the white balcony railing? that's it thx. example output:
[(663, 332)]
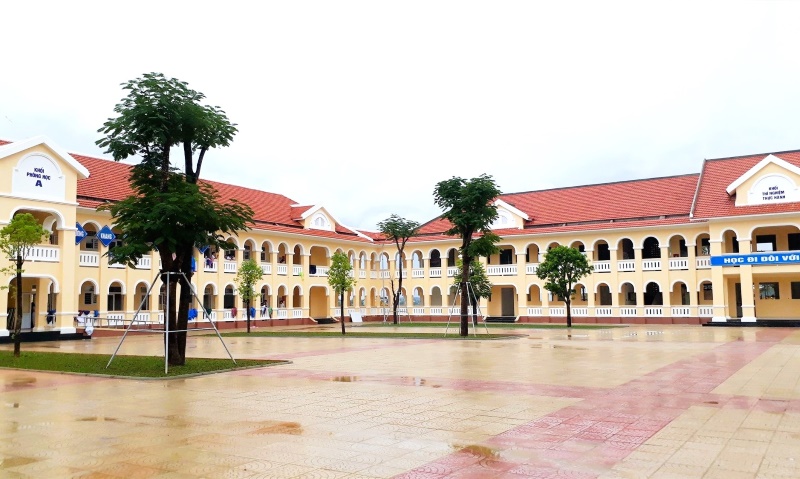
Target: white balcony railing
[(114, 265), (373, 275), (627, 311), (651, 265), (417, 273), (362, 274), (297, 269), (703, 262), (282, 269), (145, 262), (452, 271), (531, 268), (558, 311), (705, 311), (436, 272), (142, 317), (678, 264), (535, 312), (626, 265), (397, 274), (603, 311), (653, 311), (50, 254), (502, 270), (437, 311), (385, 274), (89, 258), (681, 311), (297, 313), (602, 266), (580, 311), (229, 266), (210, 266), (266, 268), (320, 271)]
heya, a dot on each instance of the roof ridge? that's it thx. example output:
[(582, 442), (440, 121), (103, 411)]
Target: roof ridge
[(601, 184), (753, 154)]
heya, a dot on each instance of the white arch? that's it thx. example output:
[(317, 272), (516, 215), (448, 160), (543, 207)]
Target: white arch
[(298, 286), (436, 287), (265, 285), (680, 235), (233, 240), (55, 213), (735, 233), (597, 286), (285, 288), (48, 223), (285, 247), (213, 288), (89, 280), (598, 240), (654, 282), (141, 281), (700, 283), (231, 285), (301, 247), (620, 240), (754, 228), (672, 286), (254, 243), (323, 286), (96, 225), (53, 281), (624, 283), (658, 240), (326, 249), (122, 283), (268, 242)]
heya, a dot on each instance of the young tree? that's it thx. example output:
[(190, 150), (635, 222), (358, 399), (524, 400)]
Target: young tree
[(562, 268), (17, 239), (249, 272), (481, 286), (157, 115), (469, 209), (340, 280), (399, 230)]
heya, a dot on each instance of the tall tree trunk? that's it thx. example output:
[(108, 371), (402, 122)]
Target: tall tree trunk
[(569, 311), (18, 321), (341, 308), (170, 313), (186, 296), (466, 261), (399, 289), (247, 305)]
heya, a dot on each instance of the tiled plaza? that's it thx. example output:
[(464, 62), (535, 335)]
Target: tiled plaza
[(632, 402)]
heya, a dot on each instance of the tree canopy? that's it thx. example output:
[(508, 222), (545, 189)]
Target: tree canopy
[(249, 272), (340, 279), (561, 269), (17, 239), (468, 206), (399, 230)]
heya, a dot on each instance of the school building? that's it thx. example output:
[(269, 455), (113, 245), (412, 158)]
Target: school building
[(721, 245)]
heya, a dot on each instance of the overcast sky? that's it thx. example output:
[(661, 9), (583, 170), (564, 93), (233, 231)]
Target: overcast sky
[(364, 106)]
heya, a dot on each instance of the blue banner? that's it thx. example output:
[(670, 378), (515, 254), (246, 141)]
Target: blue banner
[(755, 259), (80, 233), (106, 236)]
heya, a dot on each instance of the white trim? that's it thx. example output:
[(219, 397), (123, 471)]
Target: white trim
[(758, 167), (511, 209), (55, 202), (18, 146)]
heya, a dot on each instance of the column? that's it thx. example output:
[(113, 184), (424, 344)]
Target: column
[(746, 279), (718, 285)]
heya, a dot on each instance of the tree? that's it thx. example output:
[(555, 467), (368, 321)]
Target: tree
[(481, 286), (17, 239), (399, 230), (469, 209), (249, 272), (157, 115), (340, 279), (562, 268)]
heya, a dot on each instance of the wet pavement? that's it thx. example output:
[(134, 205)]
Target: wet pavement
[(634, 402)]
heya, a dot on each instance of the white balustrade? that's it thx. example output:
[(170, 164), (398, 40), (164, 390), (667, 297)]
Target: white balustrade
[(531, 268), (602, 311), (283, 270), (681, 311), (705, 311), (437, 311), (651, 265), (229, 266), (89, 258), (362, 274), (266, 268), (602, 266), (210, 266), (558, 311), (417, 273), (703, 263), (385, 274), (373, 275), (580, 311), (115, 319), (227, 315), (626, 265), (142, 317), (297, 313), (49, 254), (212, 316), (160, 318), (144, 262), (535, 312), (502, 270), (114, 265), (436, 272), (653, 311), (678, 264), (417, 311), (297, 270), (397, 274), (321, 271), (283, 313), (627, 311), (452, 271)]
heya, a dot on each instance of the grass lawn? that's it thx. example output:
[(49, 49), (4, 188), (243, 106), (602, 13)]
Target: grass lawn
[(125, 366), (354, 333)]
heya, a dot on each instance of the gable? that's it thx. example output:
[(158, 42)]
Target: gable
[(508, 216), (770, 181)]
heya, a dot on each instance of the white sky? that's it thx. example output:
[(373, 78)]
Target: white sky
[(364, 106)]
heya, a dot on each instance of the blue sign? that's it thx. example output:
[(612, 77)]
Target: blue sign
[(80, 233), (106, 236), (755, 259)]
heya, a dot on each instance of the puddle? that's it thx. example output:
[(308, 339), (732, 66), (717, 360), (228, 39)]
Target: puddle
[(345, 379), (275, 427), (15, 462), (97, 418), (21, 382)]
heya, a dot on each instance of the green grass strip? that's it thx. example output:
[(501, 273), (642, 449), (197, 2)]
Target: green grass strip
[(123, 366), (362, 334)]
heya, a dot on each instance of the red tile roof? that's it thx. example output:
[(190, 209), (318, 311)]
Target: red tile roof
[(108, 182), (713, 201), (648, 199)]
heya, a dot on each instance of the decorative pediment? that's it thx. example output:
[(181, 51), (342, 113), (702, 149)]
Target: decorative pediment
[(772, 180), (508, 216), (317, 218)]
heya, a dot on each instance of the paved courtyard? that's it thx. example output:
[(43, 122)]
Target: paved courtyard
[(634, 402)]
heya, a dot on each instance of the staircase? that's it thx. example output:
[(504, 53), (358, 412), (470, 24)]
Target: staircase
[(325, 321), (501, 319)]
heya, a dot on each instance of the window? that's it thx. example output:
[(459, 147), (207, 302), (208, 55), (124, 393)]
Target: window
[(91, 240), (54, 238), (506, 256), (88, 298), (115, 298), (603, 254), (735, 245), (708, 293), (705, 247), (794, 241), (766, 243), (768, 291), (795, 289)]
